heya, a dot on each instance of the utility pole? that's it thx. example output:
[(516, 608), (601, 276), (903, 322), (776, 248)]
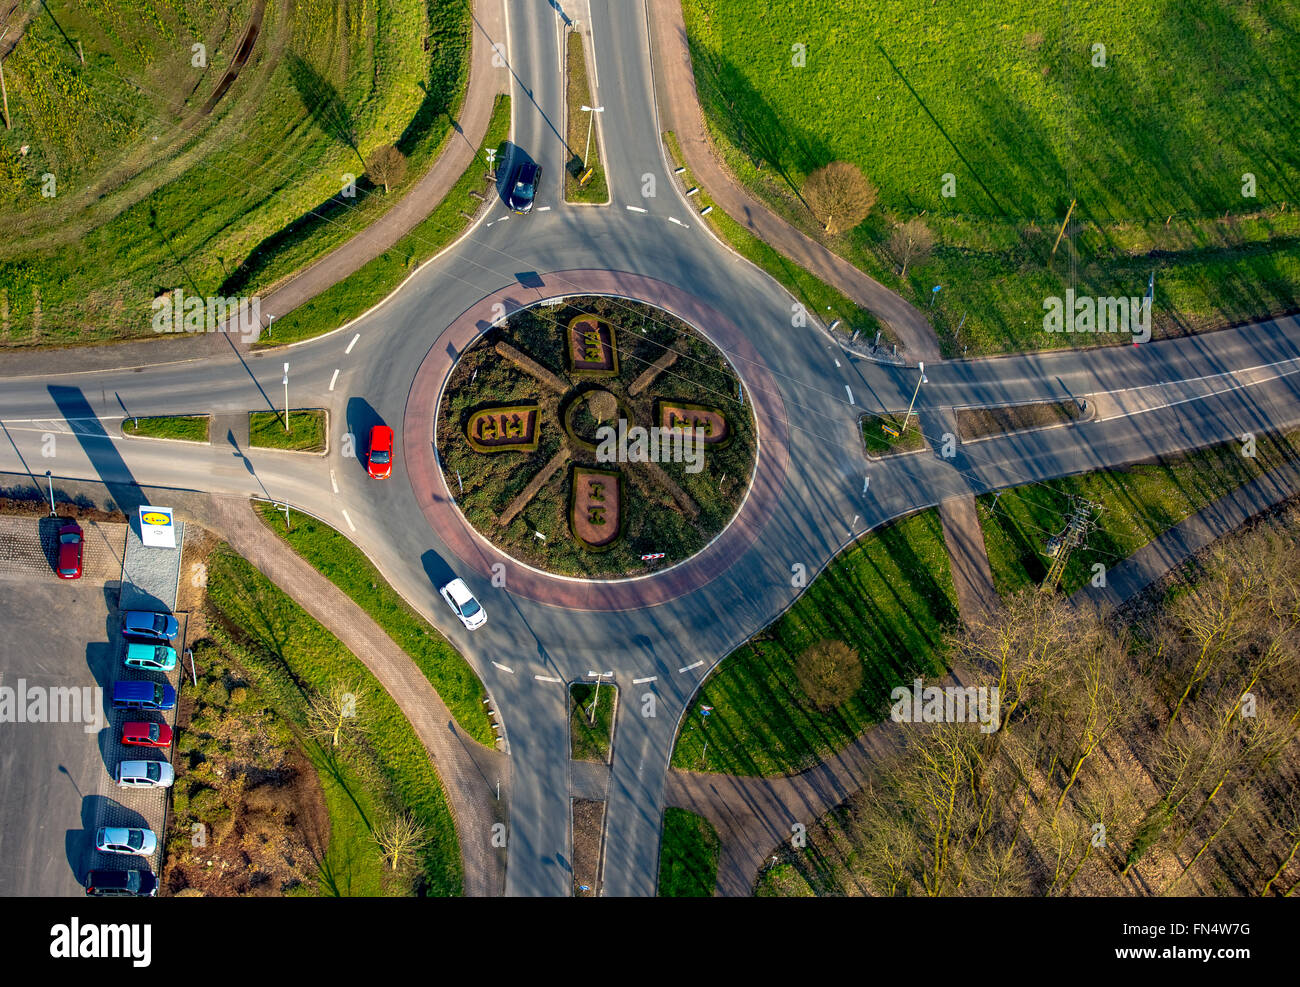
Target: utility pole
[(1060, 546), (596, 700), (50, 478), (923, 379), (286, 397), (591, 112)]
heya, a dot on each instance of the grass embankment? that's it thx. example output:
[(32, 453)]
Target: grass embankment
[(886, 443), (152, 191), (306, 431), (367, 287), (383, 770), (816, 296), (1138, 503), (347, 567), (590, 738), (889, 597), (578, 90), (1192, 179), (688, 856), (186, 428)]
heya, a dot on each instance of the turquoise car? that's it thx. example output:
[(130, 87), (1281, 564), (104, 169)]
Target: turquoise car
[(154, 657)]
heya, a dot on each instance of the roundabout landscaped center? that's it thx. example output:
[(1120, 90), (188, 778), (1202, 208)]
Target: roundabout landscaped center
[(581, 435)]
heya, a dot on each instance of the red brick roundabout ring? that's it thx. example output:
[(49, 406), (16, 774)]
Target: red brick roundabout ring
[(631, 593)]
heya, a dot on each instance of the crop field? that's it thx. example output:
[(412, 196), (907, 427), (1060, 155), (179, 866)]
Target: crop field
[(143, 170), (1157, 137)]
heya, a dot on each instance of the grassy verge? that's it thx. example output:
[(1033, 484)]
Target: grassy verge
[(889, 597), (589, 739), (688, 856), (976, 423), (188, 428), (367, 287), (578, 91), (384, 769), (819, 298), (347, 567), (1138, 503), (880, 442), (306, 431)]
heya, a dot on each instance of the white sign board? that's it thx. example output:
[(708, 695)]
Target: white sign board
[(157, 528)]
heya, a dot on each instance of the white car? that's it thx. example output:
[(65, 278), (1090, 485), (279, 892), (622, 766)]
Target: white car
[(145, 774), (120, 839), (461, 600)]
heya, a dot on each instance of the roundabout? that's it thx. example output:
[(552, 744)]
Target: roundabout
[(567, 430)]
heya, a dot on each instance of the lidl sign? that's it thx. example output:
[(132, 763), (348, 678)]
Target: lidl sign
[(157, 527)]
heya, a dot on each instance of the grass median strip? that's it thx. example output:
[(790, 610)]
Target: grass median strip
[(580, 124), (688, 856), (976, 423), (305, 432), (187, 428), (885, 435), (347, 567), (589, 736), (367, 287)]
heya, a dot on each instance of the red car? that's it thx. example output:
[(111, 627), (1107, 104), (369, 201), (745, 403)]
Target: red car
[(147, 734), (70, 551), (379, 462)]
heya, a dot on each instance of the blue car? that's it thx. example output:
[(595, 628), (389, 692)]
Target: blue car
[(160, 626)]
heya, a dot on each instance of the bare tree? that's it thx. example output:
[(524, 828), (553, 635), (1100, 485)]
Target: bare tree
[(839, 195), (386, 166), (830, 672), (400, 838), (335, 714), (911, 241)]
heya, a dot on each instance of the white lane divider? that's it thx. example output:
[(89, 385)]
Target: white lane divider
[(850, 394), (674, 219), (648, 678), (505, 668), (545, 209), (635, 209), (544, 678), (351, 526), (334, 379), (687, 668), (352, 344), (333, 482)]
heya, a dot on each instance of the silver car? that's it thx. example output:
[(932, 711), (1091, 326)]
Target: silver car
[(121, 839), (462, 601), (145, 774)]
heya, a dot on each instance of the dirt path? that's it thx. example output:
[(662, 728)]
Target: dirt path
[(679, 111), (968, 558), (468, 770)]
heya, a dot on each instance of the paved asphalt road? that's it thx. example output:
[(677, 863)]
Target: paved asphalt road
[(822, 504)]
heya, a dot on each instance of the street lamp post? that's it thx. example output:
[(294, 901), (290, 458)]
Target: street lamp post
[(591, 122), (286, 397), (595, 702), (923, 379), (50, 479)]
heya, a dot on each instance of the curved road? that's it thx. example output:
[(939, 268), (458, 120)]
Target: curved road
[(1243, 380)]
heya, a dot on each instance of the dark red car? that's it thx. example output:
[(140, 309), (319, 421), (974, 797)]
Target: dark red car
[(379, 462), (70, 541), (147, 734)]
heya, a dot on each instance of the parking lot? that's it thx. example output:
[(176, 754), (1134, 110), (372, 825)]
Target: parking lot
[(61, 650)]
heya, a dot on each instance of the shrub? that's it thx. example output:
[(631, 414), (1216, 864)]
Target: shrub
[(830, 672)]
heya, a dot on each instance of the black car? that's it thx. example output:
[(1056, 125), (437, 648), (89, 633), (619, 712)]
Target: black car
[(121, 884), (524, 188)]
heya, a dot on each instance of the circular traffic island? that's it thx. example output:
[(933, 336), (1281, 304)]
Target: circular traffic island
[(596, 437)]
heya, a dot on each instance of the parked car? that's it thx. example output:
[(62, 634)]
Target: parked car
[(121, 884), (143, 695), (70, 544), (160, 626), (154, 657), (145, 774), (379, 462), (143, 734), (523, 191), (123, 839), (462, 601)]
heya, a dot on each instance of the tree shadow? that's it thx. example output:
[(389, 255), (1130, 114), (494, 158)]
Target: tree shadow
[(323, 103)]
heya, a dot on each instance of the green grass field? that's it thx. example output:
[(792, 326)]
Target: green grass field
[(155, 190), (288, 656), (1139, 502), (305, 433), (589, 739), (889, 596), (688, 856), (352, 296), (190, 428), (1007, 100), (347, 567)]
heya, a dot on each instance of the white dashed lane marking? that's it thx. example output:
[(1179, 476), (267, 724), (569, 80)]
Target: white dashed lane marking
[(648, 678), (505, 668), (351, 526), (334, 379), (849, 393), (687, 668), (333, 482), (544, 678), (635, 209), (352, 344)]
